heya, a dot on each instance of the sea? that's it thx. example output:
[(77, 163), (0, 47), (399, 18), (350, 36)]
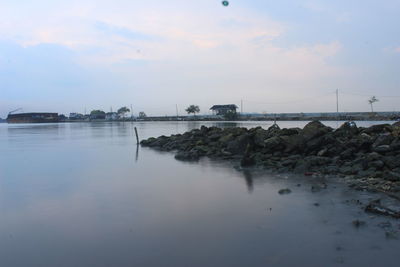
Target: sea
[(86, 195)]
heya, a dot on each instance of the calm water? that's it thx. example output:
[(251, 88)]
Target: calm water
[(83, 195)]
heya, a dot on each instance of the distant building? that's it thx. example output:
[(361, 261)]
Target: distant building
[(76, 116), (98, 116), (112, 116), (223, 109), (34, 117)]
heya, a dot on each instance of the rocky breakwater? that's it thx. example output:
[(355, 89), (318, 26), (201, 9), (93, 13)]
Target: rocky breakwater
[(368, 158)]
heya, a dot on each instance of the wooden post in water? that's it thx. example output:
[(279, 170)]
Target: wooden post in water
[(137, 137)]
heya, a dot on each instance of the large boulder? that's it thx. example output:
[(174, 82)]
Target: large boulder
[(187, 156), (273, 130), (289, 131), (259, 137), (379, 128), (239, 144), (274, 143), (347, 129), (314, 129), (383, 139)]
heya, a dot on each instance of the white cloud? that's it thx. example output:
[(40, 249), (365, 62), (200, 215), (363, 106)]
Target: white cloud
[(218, 54)]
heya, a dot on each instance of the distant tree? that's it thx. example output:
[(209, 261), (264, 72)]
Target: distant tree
[(142, 115), (230, 115), (97, 112), (97, 115), (122, 111), (371, 101), (192, 109)]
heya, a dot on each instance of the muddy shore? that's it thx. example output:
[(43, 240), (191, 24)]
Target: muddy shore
[(367, 158)]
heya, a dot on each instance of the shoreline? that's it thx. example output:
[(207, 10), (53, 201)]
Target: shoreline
[(365, 158)]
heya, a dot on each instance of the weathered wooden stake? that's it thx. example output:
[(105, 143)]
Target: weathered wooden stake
[(137, 137)]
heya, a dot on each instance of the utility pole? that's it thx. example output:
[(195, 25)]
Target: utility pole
[(177, 114), (337, 102), (241, 106), (131, 111)]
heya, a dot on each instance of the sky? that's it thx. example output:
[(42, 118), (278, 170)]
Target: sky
[(272, 56)]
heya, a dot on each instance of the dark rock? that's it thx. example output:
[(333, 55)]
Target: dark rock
[(347, 170), (273, 143), (289, 131), (373, 156), (383, 139), (214, 137), (314, 129), (315, 150), (259, 137), (382, 149), (393, 234), (391, 161), (347, 129), (379, 128), (396, 124), (187, 156), (358, 223), (239, 144), (285, 191), (391, 176), (147, 142), (292, 143), (377, 208), (377, 164), (226, 138), (347, 154)]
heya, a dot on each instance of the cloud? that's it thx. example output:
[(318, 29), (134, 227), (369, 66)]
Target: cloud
[(124, 32), (315, 6), (154, 56)]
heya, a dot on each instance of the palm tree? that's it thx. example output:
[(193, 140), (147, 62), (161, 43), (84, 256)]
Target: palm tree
[(372, 101)]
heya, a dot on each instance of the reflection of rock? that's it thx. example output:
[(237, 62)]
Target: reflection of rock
[(371, 155), (249, 180)]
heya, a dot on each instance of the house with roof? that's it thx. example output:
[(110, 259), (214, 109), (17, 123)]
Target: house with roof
[(223, 109)]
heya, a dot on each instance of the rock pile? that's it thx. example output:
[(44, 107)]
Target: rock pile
[(369, 156)]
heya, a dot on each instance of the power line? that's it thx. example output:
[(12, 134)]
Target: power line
[(292, 101), (364, 94)]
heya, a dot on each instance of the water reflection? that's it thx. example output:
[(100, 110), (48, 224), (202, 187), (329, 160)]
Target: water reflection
[(249, 180), (137, 153), (76, 196)]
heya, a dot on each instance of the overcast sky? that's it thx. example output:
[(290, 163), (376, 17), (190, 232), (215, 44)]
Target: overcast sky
[(276, 56)]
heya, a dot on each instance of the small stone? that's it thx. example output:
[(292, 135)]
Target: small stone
[(385, 224), (392, 234), (284, 191), (358, 223)]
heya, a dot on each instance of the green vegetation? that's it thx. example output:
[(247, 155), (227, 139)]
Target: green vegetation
[(122, 111), (371, 101), (142, 114), (97, 112), (193, 109), (230, 115)]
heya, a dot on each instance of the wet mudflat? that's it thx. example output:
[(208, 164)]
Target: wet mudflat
[(84, 195)]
